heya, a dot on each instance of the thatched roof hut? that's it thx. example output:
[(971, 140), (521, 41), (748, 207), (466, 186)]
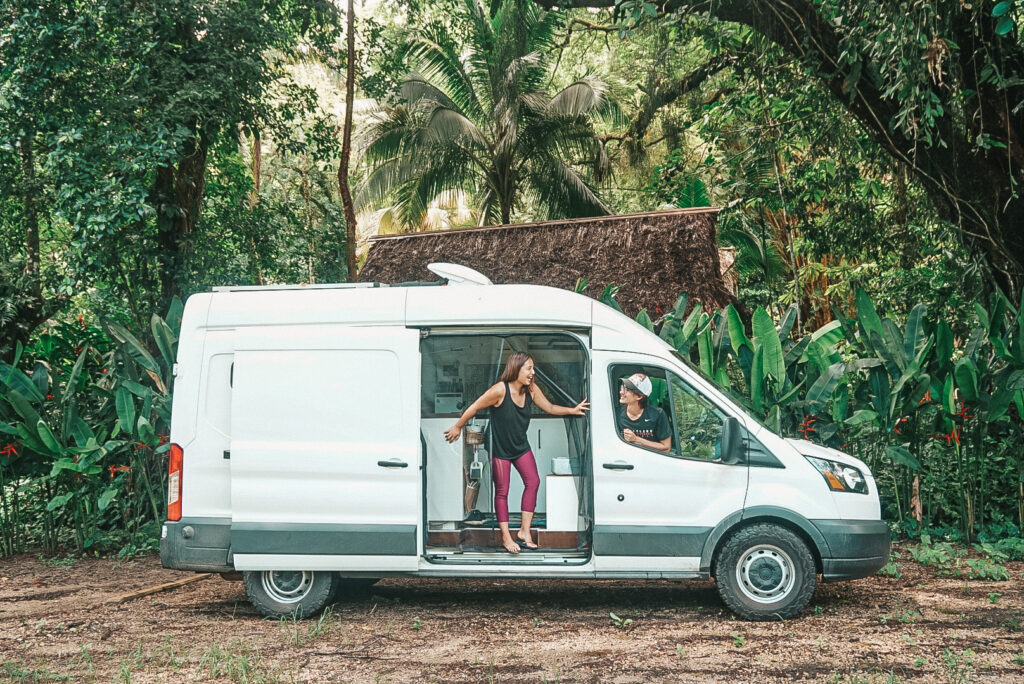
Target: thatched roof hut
[(652, 256)]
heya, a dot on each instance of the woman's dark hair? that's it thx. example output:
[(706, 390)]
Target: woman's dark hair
[(514, 364)]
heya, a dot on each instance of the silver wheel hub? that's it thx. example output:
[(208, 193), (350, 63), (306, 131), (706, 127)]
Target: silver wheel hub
[(765, 574), (287, 586)]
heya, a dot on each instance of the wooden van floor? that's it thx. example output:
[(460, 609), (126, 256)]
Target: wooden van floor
[(478, 538)]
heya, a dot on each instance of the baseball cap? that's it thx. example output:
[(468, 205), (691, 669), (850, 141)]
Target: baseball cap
[(638, 382)]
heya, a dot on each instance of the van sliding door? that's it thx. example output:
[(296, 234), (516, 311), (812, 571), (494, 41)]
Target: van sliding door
[(325, 451)]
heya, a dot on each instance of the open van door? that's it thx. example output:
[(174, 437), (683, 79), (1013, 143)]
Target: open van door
[(325, 450)]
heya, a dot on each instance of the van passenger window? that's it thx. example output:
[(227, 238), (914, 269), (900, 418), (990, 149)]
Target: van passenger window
[(695, 423)]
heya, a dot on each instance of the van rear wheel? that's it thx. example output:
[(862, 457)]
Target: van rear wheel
[(284, 593), (765, 572)]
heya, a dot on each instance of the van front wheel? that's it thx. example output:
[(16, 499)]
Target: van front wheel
[(284, 593), (765, 572)]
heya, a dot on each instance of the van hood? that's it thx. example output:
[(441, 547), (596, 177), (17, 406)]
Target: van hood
[(806, 448)]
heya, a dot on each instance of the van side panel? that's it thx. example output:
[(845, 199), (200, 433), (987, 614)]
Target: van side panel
[(325, 449)]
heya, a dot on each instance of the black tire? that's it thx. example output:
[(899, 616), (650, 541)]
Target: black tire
[(765, 572), (287, 593)]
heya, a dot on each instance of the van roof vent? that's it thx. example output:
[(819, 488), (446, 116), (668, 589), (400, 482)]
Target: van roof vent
[(456, 274)]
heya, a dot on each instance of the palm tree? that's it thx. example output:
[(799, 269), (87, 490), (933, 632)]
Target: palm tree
[(476, 118)]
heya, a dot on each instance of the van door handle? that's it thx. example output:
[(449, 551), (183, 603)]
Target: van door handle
[(618, 466), (393, 464)]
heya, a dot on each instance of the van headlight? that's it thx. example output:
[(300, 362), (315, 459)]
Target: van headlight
[(840, 476)]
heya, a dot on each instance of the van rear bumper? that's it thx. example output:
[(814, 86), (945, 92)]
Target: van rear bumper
[(858, 548), (201, 544)]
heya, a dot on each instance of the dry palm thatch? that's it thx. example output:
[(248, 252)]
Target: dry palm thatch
[(652, 256)]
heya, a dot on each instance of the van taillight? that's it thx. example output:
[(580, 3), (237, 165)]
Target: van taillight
[(174, 483)]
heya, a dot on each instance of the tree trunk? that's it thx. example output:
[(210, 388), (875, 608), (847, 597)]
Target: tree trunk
[(346, 148), (178, 196), (31, 306)]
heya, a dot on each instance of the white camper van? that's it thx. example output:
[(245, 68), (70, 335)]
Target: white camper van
[(308, 451)]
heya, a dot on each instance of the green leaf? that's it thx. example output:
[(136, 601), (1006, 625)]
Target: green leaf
[(861, 417), (674, 320), (1001, 8), (914, 332), (644, 319), (105, 498), (22, 407), (146, 432), (165, 339), (822, 389), (966, 374), (58, 502), (767, 340), (901, 456), (868, 317), (48, 438), (737, 335), (19, 382), (1004, 25), (8, 429), (69, 386), (139, 352), (125, 408), (757, 379)]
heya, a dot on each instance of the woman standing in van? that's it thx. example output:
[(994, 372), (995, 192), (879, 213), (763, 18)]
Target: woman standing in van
[(509, 400)]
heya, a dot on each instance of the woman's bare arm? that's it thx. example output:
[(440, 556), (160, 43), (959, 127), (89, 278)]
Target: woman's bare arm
[(489, 398), (547, 407)]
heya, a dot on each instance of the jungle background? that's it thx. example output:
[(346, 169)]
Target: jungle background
[(866, 156)]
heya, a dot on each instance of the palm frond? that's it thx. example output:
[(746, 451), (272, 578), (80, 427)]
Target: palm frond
[(563, 191), (581, 98), (448, 125)]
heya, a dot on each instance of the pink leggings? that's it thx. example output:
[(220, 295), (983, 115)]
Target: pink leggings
[(502, 475)]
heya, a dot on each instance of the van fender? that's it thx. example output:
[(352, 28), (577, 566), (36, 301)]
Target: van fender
[(767, 513)]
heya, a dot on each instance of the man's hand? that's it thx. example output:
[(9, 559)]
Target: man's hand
[(629, 436)]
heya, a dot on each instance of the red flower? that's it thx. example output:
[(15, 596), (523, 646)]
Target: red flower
[(103, 371), (963, 412), (805, 427), (81, 320), (10, 450), (119, 469), (896, 428), (657, 309), (49, 396), (927, 397)]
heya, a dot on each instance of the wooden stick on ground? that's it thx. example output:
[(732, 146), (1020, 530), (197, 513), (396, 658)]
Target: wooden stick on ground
[(158, 588)]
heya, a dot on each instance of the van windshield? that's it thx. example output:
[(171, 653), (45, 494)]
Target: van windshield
[(734, 396)]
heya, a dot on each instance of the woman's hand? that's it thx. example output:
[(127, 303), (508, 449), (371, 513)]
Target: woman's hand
[(452, 433), (629, 436), (580, 409)]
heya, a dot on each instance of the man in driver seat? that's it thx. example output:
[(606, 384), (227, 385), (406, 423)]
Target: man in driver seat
[(641, 424)]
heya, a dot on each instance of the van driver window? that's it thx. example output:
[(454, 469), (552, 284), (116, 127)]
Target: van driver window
[(657, 410)]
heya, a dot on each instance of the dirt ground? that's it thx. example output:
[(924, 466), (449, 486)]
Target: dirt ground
[(60, 621)]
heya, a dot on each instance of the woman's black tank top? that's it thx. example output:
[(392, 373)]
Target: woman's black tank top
[(508, 427)]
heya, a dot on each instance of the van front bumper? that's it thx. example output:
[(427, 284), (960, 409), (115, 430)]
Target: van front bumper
[(200, 544), (857, 548)]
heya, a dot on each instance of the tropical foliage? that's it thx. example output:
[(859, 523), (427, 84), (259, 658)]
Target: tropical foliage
[(865, 155), (476, 116)]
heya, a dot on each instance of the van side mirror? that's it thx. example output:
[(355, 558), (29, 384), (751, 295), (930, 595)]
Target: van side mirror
[(732, 442)]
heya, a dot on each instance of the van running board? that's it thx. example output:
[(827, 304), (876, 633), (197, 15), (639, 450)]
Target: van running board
[(505, 558)]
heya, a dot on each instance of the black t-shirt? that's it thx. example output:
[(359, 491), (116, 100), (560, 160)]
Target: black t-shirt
[(652, 424)]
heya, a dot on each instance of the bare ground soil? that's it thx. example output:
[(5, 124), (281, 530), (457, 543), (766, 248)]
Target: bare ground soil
[(62, 623)]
